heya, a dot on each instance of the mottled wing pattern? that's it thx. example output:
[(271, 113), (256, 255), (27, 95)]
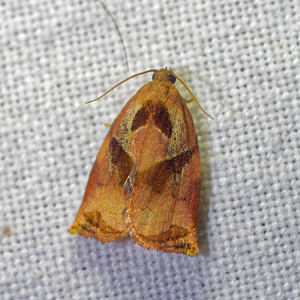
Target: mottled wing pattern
[(102, 211), (165, 185)]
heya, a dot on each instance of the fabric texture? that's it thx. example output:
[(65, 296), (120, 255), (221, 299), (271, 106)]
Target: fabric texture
[(241, 58)]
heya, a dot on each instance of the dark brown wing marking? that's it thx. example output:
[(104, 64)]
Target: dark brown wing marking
[(121, 161), (173, 233), (158, 175), (93, 223), (162, 119), (140, 118), (159, 114)]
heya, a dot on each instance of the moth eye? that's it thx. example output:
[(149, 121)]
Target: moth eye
[(172, 78)]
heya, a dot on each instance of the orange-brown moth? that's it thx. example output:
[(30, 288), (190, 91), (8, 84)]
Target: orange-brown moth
[(146, 180)]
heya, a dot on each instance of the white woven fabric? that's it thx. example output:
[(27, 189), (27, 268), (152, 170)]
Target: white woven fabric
[(242, 60)]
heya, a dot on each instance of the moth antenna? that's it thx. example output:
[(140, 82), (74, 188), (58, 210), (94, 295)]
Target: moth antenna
[(130, 77), (194, 98), (119, 33)]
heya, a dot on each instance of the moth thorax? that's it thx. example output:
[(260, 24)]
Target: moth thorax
[(164, 75)]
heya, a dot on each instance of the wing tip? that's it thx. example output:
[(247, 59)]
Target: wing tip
[(187, 245), (96, 233)]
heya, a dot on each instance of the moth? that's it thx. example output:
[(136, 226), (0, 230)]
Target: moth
[(146, 179)]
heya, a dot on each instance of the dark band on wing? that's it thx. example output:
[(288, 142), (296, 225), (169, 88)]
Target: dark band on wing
[(162, 119), (140, 118), (120, 159), (158, 175), (172, 234), (160, 116), (95, 221)]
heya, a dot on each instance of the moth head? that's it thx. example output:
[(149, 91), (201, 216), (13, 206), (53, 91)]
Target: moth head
[(164, 75), (161, 75)]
